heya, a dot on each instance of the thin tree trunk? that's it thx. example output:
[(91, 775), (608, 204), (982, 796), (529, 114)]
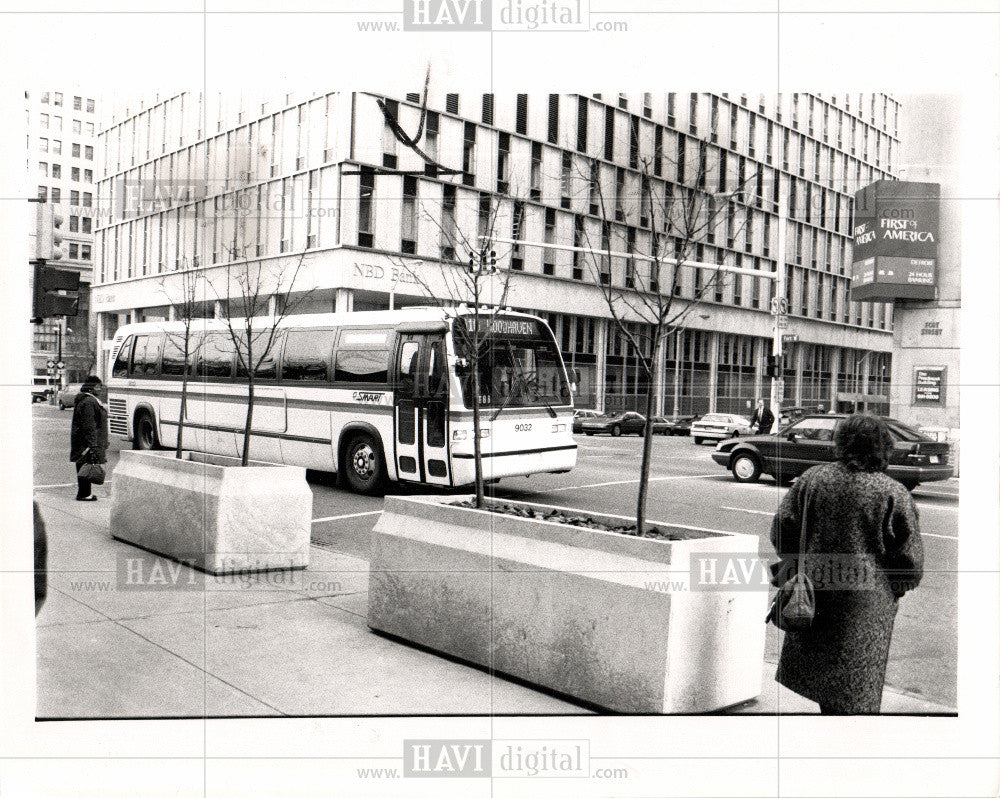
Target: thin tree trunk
[(246, 429), (647, 450), (477, 443), (180, 419)]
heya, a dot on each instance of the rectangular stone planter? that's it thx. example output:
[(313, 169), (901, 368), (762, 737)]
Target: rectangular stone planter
[(212, 514), (575, 610)]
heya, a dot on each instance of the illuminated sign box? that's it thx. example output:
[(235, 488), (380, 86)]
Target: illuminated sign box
[(895, 241)]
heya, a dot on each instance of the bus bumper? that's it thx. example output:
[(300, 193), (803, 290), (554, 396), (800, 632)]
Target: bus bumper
[(498, 464)]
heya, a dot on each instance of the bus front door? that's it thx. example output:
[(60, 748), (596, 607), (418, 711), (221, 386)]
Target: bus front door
[(421, 409)]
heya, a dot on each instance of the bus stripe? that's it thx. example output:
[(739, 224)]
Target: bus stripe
[(518, 451)]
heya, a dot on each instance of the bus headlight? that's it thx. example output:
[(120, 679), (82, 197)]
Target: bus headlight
[(558, 427), (459, 434)]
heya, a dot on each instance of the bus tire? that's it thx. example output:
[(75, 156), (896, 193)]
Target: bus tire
[(363, 464), (144, 437)]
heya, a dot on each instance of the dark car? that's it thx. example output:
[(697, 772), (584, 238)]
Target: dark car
[(40, 393), (580, 416), (616, 424), (809, 441), (674, 425)]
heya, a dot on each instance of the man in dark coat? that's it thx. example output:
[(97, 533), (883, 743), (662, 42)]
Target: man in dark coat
[(88, 434), (763, 418), (863, 551)]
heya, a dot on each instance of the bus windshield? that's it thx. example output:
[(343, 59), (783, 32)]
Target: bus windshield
[(519, 365)]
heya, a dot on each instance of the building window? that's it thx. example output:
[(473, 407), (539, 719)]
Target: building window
[(451, 103), (681, 157), (431, 142), (88, 175), (74, 173), (43, 145), (605, 256), (487, 109), (409, 217), (658, 151), (647, 105), (90, 106), (671, 105), (77, 103), (76, 126), (43, 194), (448, 224), (633, 142), (521, 117), (630, 276), (75, 150), (517, 233), (389, 157), (88, 153), (536, 171), (619, 195), (366, 202), (74, 198), (45, 97), (85, 251), (43, 121), (85, 224), (503, 163), (56, 195), (609, 133), (469, 155), (549, 255), (56, 171), (693, 111), (578, 239), (88, 199), (581, 123), (484, 229), (566, 180), (594, 186), (553, 119), (74, 251), (57, 98), (43, 168)]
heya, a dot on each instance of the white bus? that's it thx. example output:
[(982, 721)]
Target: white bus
[(374, 396)]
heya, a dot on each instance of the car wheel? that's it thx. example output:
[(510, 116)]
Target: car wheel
[(364, 467), (746, 467), (697, 441), (616, 430), (144, 432), (589, 434)]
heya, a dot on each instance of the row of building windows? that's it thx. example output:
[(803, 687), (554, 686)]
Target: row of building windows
[(56, 98), (75, 174), (54, 195), (76, 150), (55, 123)]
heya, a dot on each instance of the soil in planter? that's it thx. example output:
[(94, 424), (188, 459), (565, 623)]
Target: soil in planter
[(562, 517)]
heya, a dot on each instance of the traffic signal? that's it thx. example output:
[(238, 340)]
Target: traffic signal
[(55, 292), (773, 366)]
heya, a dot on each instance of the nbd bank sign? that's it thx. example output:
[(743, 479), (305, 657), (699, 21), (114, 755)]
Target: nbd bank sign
[(895, 241)]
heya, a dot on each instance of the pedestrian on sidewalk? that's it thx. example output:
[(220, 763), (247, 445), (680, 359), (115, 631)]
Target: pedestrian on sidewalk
[(863, 552), (88, 434), (763, 418)]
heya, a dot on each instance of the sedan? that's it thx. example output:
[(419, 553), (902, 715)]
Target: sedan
[(67, 396), (615, 424), (676, 425), (785, 455), (719, 426), (580, 416)]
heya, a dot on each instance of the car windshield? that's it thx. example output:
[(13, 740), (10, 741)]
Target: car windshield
[(519, 364), (716, 418)]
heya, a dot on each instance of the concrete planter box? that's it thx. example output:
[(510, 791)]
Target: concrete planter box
[(569, 608), (212, 514)]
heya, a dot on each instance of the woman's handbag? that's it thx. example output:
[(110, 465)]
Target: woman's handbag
[(92, 472), (794, 605)]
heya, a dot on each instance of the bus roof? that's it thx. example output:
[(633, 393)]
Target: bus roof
[(348, 319)]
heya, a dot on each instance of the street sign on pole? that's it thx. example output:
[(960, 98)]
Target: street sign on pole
[(60, 365), (781, 322), (789, 338), (779, 306), (51, 364)]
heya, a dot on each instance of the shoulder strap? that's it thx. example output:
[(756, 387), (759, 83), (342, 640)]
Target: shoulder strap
[(802, 534)]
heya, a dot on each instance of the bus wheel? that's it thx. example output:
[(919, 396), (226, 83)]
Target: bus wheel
[(144, 432), (364, 468)]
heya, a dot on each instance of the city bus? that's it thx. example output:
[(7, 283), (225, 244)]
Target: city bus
[(373, 396)]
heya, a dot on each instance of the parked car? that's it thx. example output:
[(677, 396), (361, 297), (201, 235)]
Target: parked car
[(718, 426), (580, 416), (67, 396), (677, 425), (661, 425), (40, 393), (615, 424), (809, 441)]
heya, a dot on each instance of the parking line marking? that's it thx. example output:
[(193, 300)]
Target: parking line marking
[(63, 485), (632, 482), (342, 517), (745, 510)]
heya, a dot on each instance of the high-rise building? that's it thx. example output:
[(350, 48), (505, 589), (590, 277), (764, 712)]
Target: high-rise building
[(61, 141), (381, 200)]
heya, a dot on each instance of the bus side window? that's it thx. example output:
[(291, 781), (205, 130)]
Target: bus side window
[(437, 371), (307, 355), (146, 355), (120, 368), (172, 363)]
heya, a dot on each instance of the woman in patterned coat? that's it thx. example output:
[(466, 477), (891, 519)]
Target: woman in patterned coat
[(863, 552)]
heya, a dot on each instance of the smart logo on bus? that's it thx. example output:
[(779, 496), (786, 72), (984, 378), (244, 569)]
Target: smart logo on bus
[(895, 241)]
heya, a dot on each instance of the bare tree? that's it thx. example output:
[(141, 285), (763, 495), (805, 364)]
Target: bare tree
[(676, 220), (474, 280), (186, 309), (256, 299)]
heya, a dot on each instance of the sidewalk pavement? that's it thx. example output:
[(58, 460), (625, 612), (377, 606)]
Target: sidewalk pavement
[(187, 644)]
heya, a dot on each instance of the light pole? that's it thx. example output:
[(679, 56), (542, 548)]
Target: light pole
[(778, 303)]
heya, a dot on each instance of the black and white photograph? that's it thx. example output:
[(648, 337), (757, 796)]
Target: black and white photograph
[(493, 398)]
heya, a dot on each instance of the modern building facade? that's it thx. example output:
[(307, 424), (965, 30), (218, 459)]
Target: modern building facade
[(329, 184), (61, 162)]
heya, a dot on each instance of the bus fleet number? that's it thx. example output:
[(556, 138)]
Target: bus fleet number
[(522, 428)]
